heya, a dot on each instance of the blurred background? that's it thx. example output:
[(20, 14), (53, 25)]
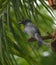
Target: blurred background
[(14, 46)]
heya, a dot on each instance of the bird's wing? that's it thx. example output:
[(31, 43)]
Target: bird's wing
[(36, 29)]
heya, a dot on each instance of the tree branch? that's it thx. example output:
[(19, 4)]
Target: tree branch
[(43, 37)]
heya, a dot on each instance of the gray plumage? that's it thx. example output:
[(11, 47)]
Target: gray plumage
[(33, 31)]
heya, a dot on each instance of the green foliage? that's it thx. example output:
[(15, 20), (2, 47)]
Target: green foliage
[(13, 41)]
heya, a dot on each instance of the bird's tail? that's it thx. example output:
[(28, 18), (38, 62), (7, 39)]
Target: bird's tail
[(40, 41)]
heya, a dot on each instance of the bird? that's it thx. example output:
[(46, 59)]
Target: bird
[(33, 31)]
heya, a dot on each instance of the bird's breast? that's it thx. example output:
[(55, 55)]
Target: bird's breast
[(30, 30)]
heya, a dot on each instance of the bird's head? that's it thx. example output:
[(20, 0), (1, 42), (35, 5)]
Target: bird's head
[(24, 22)]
